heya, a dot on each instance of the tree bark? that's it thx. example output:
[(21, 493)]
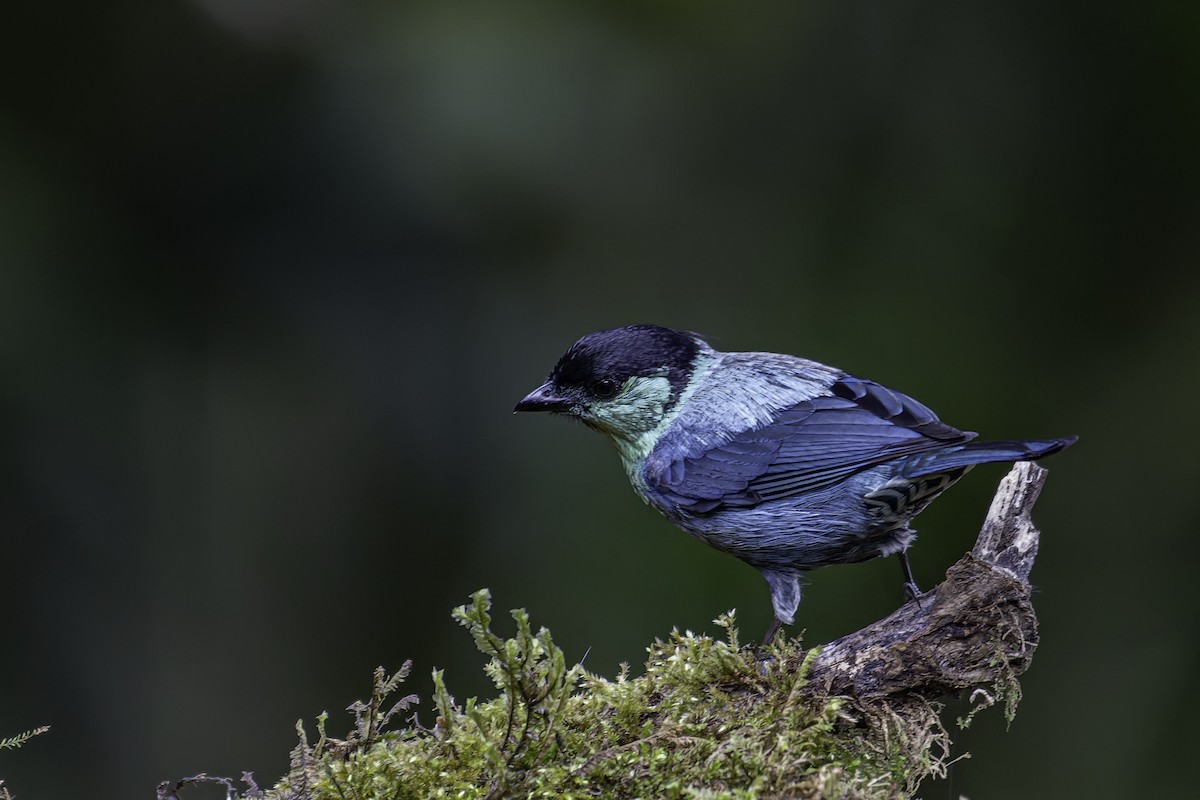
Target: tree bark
[(977, 628)]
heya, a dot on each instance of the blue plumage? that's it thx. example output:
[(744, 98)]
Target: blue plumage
[(786, 463)]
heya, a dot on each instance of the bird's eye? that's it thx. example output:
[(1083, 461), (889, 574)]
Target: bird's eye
[(605, 388)]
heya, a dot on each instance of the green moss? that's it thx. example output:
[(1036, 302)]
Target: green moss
[(708, 719)]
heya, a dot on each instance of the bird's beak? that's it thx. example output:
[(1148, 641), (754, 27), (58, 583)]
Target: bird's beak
[(543, 398)]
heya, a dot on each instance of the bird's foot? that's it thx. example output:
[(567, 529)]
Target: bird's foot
[(762, 656), (911, 590)]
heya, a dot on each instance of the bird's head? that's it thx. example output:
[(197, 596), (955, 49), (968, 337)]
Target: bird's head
[(624, 382)]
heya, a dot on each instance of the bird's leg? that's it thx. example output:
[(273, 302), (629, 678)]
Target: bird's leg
[(772, 629), (911, 590)]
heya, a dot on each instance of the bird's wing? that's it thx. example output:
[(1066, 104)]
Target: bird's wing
[(806, 447)]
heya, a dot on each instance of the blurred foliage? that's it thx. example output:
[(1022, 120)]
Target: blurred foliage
[(274, 272)]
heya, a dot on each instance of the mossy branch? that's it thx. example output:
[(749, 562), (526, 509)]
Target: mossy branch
[(977, 628), (855, 719)]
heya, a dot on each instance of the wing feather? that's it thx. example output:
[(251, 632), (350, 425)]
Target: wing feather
[(809, 446)]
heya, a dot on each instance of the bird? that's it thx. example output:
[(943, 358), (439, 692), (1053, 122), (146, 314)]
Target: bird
[(788, 464)]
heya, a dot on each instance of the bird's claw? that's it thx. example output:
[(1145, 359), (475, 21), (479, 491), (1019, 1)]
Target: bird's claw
[(912, 592)]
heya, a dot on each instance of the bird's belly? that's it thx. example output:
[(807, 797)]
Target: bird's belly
[(764, 540), (833, 526)]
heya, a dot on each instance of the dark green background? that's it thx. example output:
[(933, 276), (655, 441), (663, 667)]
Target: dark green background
[(272, 276)]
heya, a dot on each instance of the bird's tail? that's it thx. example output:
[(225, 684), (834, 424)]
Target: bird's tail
[(972, 453)]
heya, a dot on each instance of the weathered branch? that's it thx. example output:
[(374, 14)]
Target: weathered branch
[(976, 628)]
